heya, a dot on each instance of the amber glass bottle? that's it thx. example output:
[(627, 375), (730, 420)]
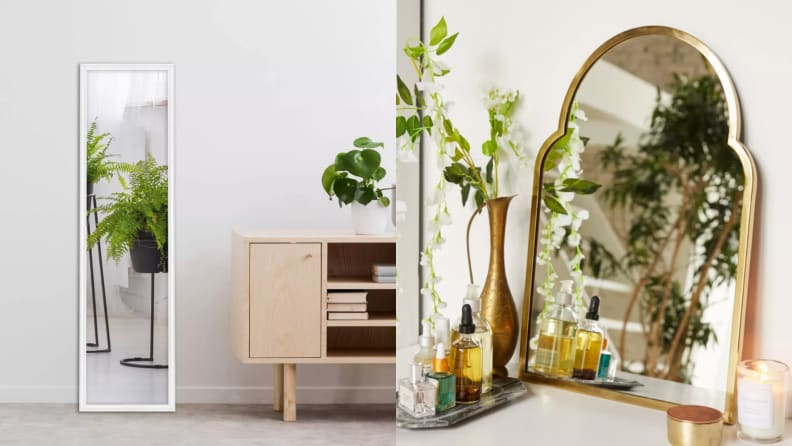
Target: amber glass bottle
[(466, 360), (588, 344)]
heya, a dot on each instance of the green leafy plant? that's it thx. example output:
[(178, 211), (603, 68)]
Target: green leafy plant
[(141, 207), (564, 156), (421, 110), (683, 185), (463, 170), (354, 175), (98, 167)]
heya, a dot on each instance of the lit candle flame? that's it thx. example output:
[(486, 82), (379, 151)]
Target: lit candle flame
[(762, 372)]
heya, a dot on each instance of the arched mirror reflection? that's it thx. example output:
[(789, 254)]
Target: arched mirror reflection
[(640, 243)]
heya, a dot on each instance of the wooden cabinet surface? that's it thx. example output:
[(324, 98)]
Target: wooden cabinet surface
[(285, 300), (279, 288)]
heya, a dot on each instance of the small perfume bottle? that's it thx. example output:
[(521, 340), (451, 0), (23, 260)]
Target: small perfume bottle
[(417, 396), (555, 353), (426, 353), (588, 343), (444, 380), (466, 361), (603, 370)]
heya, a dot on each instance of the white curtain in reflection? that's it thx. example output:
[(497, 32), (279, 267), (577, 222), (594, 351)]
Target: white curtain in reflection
[(111, 92)]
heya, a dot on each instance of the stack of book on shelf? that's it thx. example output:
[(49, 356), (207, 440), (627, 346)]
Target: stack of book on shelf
[(347, 305), (383, 273)]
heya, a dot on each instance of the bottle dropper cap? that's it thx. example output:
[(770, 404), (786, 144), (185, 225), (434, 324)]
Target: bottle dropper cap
[(593, 309), (426, 339), (466, 325)]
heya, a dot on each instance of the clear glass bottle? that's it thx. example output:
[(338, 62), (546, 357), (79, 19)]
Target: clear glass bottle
[(484, 336), (588, 343), (466, 361), (555, 353), (426, 353), (443, 379), (416, 395)]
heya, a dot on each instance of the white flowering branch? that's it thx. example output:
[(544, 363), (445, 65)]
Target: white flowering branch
[(561, 219), (423, 110)]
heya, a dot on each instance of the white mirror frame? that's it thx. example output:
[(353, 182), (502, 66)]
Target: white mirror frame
[(84, 406)]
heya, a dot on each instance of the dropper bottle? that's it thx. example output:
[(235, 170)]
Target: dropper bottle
[(466, 361), (426, 353), (588, 343), (483, 335)]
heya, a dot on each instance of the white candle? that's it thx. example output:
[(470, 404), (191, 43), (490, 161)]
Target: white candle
[(761, 399)]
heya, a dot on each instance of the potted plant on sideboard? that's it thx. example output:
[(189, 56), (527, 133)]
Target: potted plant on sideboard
[(353, 178), (136, 219)]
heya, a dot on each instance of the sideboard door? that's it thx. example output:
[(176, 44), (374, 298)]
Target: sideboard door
[(285, 300)]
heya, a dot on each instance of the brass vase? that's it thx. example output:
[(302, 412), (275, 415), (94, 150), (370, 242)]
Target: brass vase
[(497, 303)]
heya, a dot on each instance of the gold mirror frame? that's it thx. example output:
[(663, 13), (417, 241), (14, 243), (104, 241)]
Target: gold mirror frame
[(746, 221)]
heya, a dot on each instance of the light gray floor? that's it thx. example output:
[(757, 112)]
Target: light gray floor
[(109, 382), (198, 424)]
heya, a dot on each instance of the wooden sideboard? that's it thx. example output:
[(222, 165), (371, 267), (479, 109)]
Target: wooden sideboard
[(280, 283)]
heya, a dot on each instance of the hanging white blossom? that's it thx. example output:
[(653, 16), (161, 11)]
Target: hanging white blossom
[(423, 110), (558, 226)]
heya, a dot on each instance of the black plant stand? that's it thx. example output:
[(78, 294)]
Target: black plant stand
[(95, 344), (134, 362)]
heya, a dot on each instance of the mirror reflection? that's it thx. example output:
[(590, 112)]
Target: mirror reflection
[(127, 298), (641, 203)]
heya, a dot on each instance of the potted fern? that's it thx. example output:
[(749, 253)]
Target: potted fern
[(98, 168), (353, 178), (136, 219)]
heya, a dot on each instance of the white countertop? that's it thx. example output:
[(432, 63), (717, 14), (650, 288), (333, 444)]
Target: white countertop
[(555, 417)]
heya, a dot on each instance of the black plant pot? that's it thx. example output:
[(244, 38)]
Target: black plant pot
[(146, 258), (90, 188)]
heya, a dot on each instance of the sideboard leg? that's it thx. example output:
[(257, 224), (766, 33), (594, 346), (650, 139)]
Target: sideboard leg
[(290, 392), (277, 388)]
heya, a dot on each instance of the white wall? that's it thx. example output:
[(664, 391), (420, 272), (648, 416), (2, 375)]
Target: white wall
[(265, 94), (538, 46)]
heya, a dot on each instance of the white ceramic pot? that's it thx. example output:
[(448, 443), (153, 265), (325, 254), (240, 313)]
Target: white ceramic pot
[(371, 219)]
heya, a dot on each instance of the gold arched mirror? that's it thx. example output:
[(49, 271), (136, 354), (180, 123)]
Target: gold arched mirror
[(644, 197)]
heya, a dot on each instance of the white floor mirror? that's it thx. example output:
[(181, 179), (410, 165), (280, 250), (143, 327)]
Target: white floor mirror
[(126, 264)]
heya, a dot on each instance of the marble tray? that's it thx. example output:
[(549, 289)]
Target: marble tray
[(503, 391)]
